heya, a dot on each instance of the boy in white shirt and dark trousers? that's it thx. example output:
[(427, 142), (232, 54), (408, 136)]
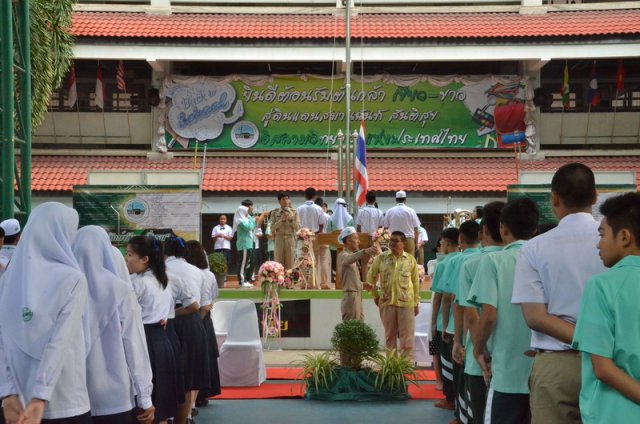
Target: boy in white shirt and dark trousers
[(551, 273)]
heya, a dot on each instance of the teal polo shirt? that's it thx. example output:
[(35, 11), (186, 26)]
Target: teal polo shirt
[(438, 282), (451, 277), (609, 326), (511, 336), (467, 274)]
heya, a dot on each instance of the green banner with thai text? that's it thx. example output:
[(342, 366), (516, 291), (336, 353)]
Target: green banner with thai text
[(300, 112)]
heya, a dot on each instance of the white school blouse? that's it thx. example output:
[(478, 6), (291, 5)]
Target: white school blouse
[(190, 274), (155, 302)]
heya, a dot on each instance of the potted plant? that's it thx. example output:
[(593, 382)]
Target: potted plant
[(361, 373), (218, 265)]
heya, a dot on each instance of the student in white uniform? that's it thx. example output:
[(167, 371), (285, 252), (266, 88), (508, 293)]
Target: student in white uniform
[(189, 327), (197, 257), (43, 295), (149, 278), (118, 368), (312, 217), (403, 218), (11, 228)]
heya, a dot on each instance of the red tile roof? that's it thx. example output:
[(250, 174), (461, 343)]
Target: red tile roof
[(263, 174), (401, 25)]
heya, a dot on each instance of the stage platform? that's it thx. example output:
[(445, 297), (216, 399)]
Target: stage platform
[(309, 316)]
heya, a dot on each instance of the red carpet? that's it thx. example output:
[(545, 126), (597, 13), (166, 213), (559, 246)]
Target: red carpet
[(296, 374)]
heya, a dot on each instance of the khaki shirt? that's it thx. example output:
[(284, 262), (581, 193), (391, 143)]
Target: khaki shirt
[(282, 227), (347, 268), (399, 280)]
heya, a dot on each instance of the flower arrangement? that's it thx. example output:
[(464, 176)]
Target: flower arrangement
[(421, 274), (272, 277), (292, 277), (382, 236), (305, 234)]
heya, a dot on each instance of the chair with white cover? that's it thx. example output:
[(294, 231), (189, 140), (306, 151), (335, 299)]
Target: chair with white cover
[(241, 362), (221, 317), (423, 328)]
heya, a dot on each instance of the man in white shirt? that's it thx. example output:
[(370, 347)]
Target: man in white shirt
[(12, 233), (222, 234), (402, 218), (422, 239), (369, 218), (551, 273), (312, 217)]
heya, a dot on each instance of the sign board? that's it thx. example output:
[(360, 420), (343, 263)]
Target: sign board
[(127, 211), (295, 318), (541, 194), (305, 112)]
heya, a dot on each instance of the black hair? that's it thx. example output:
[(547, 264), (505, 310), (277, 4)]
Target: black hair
[(575, 185), (521, 217), (371, 197), (246, 203), (281, 195), (479, 210), (152, 249), (11, 239), (1, 232), (309, 193), (470, 232), (547, 226), (400, 234), (450, 234), (175, 246), (196, 254), (401, 199), (319, 201), (491, 219), (623, 212)]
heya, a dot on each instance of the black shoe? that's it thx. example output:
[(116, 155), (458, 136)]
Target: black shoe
[(201, 403), (194, 412)]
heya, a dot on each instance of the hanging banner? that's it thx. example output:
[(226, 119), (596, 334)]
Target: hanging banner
[(305, 112), (127, 211), (541, 195)]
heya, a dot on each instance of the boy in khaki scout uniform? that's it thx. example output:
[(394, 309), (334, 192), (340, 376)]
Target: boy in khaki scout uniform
[(348, 269), (284, 224)]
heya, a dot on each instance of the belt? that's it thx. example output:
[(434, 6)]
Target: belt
[(351, 291), (533, 352), (160, 324)]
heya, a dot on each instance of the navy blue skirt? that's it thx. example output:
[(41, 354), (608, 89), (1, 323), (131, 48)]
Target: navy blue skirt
[(212, 344), (177, 352), (163, 366), (193, 341)]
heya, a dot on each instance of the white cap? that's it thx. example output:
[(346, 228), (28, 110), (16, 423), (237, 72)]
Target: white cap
[(401, 194), (341, 201), (346, 232), (11, 227)]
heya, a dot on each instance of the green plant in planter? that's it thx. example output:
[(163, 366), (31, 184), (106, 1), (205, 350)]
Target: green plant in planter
[(392, 371), (318, 371), (355, 342), (218, 263)]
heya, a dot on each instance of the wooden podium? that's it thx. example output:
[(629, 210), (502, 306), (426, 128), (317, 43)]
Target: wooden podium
[(331, 239)]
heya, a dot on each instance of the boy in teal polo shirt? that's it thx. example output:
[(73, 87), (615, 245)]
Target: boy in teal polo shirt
[(474, 381), (608, 328), (452, 323), (449, 242), (502, 335)]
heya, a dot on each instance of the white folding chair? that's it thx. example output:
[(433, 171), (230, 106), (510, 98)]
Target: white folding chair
[(423, 328), (221, 317), (241, 362)]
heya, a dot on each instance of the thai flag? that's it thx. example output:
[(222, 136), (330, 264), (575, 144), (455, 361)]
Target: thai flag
[(362, 180)]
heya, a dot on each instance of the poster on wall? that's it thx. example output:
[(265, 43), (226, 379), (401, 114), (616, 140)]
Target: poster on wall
[(127, 211), (541, 194), (306, 112)]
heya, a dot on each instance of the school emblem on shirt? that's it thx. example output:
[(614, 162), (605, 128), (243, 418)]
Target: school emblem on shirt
[(27, 314)]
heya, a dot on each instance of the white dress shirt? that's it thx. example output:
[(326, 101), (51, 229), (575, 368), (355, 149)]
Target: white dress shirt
[(6, 252), (181, 293), (402, 218), (190, 274), (370, 219), (155, 302), (423, 237), (311, 216), (553, 269), (222, 243)]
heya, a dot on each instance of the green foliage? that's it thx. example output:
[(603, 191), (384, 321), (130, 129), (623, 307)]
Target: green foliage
[(355, 342), (393, 370), (217, 263), (51, 50), (318, 371)]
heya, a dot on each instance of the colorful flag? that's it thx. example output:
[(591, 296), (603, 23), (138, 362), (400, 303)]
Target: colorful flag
[(564, 92), (594, 94), (620, 76), (72, 98), (362, 180), (120, 76), (99, 94)]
